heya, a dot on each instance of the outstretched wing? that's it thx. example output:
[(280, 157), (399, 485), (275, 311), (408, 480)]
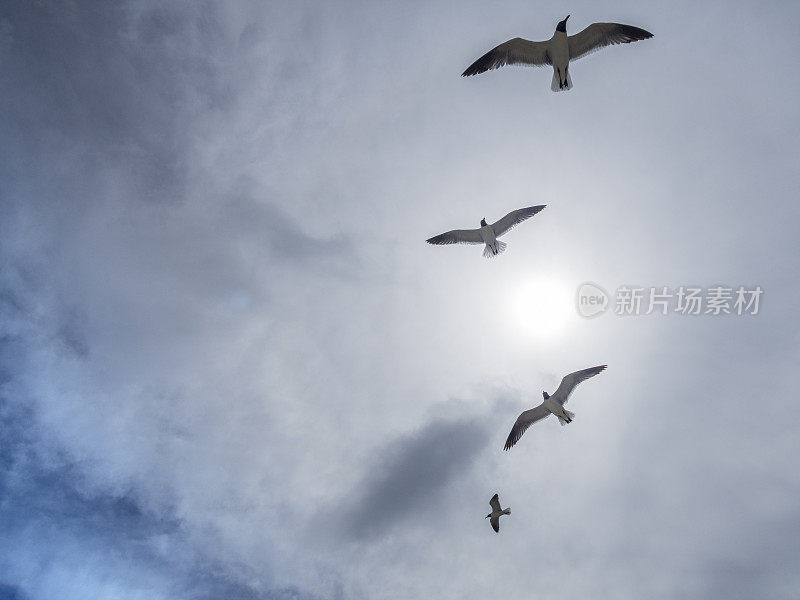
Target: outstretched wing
[(600, 35), (495, 521), (495, 503), (525, 420), (514, 218), (457, 236), (570, 381), (512, 52)]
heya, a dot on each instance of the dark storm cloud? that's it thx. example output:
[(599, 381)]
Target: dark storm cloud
[(412, 473)]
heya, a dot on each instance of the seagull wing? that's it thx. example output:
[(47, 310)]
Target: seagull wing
[(495, 521), (457, 236), (525, 420), (600, 35), (512, 52), (570, 381), (514, 218), (495, 503)]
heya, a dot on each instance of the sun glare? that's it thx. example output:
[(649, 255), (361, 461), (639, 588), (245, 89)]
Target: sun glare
[(542, 307)]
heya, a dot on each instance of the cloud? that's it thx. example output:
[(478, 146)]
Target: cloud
[(219, 319), (101, 542), (413, 470)]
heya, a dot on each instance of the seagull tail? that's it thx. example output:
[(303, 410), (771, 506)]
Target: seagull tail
[(570, 415), (556, 86), (489, 253), (507, 511)]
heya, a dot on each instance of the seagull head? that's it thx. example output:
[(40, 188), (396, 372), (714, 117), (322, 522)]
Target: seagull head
[(545, 395), (483, 222), (487, 516), (562, 25)]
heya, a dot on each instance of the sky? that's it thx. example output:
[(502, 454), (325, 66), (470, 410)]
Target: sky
[(230, 367)]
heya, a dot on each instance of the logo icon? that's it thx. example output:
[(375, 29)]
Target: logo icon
[(592, 300)]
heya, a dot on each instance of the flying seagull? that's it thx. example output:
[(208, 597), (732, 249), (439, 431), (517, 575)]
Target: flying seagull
[(487, 234), (551, 404), (558, 50), (494, 516)]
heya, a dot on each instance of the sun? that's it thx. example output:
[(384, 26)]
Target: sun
[(542, 307)]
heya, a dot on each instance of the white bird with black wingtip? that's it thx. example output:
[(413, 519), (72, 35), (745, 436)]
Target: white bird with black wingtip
[(558, 51), (497, 512), (552, 405), (487, 234)]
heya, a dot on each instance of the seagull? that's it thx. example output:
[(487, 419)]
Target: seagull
[(497, 512), (487, 234), (558, 50), (551, 404)]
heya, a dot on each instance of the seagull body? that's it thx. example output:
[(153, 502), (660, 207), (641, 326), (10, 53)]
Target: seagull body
[(559, 57), (551, 405), (490, 239), (558, 50), (497, 512), (487, 234)]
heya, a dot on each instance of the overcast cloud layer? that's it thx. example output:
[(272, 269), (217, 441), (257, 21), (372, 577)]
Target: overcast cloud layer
[(231, 368)]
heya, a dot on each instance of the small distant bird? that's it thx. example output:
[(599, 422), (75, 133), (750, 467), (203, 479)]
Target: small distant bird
[(494, 516), (558, 50), (552, 404), (487, 234)]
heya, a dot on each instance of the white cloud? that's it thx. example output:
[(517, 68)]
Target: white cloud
[(217, 301)]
